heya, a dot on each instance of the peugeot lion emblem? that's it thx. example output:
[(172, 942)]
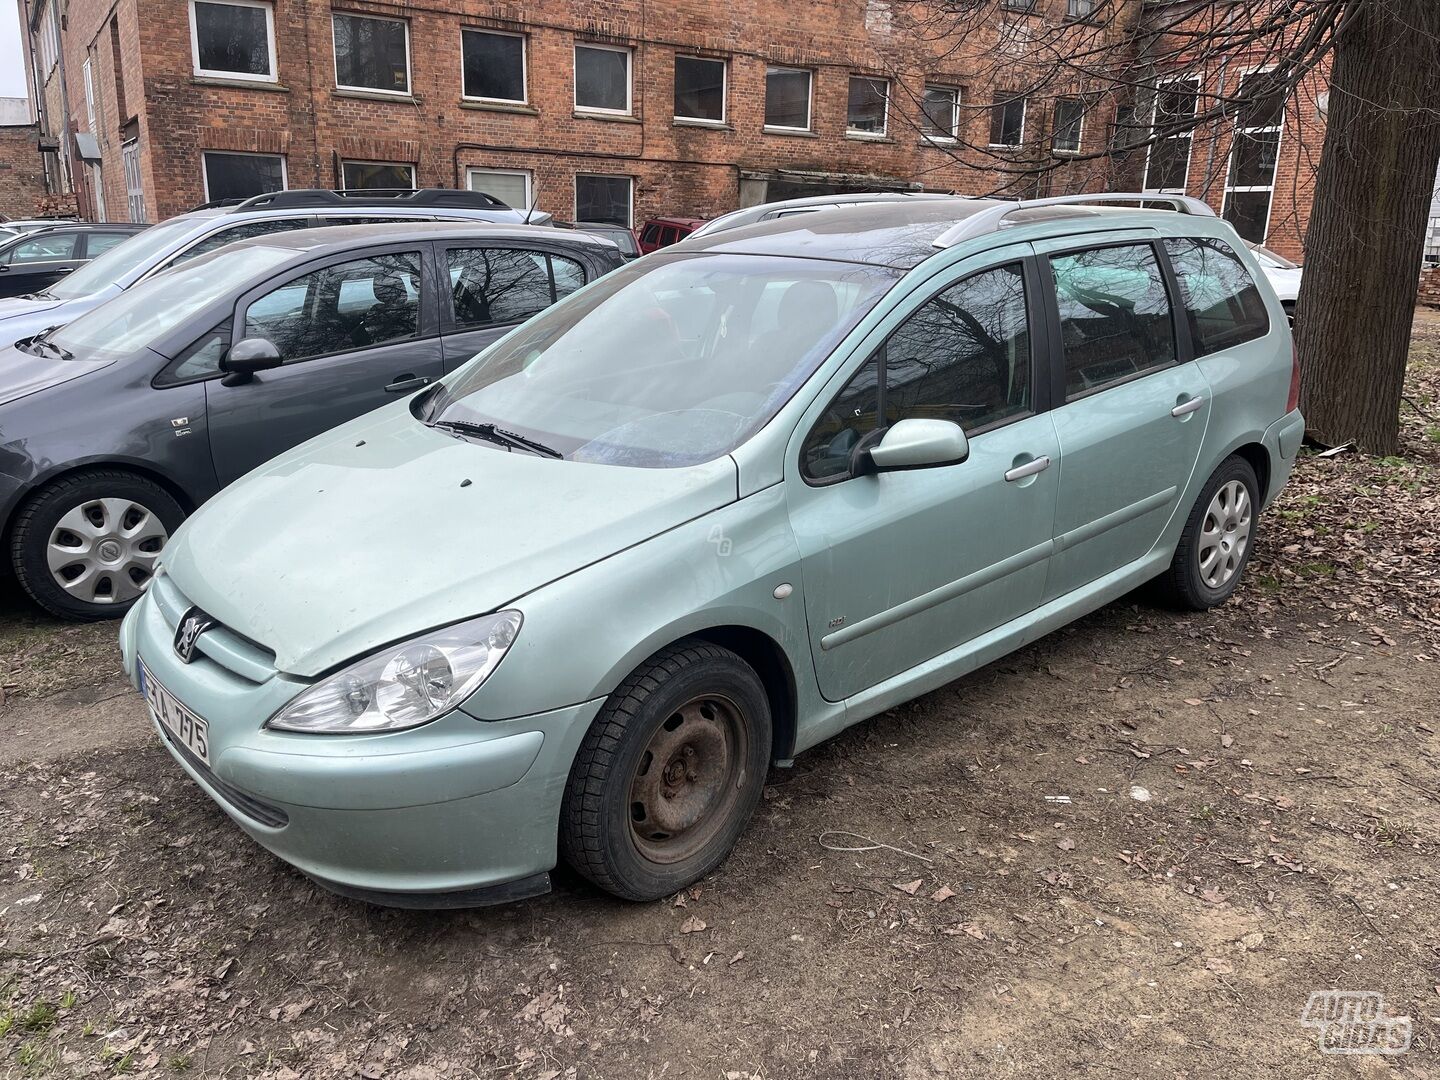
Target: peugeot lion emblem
[(194, 623)]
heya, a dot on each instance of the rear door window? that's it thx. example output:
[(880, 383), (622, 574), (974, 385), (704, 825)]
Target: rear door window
[(97, 243), (651, 235), (1115, 316), (1222, 304), (491, 286), (47, 247)]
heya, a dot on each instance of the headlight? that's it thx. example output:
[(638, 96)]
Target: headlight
[(404, 685)]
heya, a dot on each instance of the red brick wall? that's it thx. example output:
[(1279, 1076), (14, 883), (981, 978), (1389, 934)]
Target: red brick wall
[(677, 169), (22, 179), (1430, 287)]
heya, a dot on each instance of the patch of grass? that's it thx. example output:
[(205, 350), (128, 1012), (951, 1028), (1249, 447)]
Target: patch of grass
[(179, 1063), (40, 1017), (1268, 583), (7, 1021), (68, 999), (1316, 569)]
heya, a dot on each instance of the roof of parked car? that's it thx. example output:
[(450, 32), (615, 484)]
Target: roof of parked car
[(347, 237)]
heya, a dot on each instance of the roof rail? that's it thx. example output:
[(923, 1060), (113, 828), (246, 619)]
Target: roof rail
[(991, 218), (297, 198)]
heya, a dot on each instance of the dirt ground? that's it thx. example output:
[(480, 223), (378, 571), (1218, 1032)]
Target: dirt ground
[(1133, 849)]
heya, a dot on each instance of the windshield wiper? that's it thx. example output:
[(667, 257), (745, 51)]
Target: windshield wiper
[(42, 340), (499, 436)]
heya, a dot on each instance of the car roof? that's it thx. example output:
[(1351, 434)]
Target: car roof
[(687, 222), (340, 238)]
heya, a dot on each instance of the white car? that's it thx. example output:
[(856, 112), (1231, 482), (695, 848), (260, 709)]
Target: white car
[(1284, 276)]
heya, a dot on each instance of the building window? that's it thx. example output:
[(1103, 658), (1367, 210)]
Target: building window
[(510, 186), (239, 176), (787, 98), (1018, 5), (869, 102), (1069, 125), (494, 65), (376, 174), (700, 89), (1080, 9), (1250, 183), (1168, 163), (371, 54), (49, 41), (89, 96), (1007, 119), (604, 198), (233, 39), (602, 78), (940, 113)]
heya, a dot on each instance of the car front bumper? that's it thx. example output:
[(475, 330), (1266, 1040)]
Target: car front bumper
[(453, 813)]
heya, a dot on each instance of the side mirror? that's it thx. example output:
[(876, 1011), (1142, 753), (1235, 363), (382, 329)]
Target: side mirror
[(246, 358), (918, 444)]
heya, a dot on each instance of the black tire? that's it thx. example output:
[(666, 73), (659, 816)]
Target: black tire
[(37, 522), (600, 835), (1183, 585)]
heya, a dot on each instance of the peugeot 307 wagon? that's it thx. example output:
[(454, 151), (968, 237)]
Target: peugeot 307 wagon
[(572, 601)]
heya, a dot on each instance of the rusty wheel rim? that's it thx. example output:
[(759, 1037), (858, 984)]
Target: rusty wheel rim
[(688, 778)]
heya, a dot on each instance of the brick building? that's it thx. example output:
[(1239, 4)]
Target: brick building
[(22, 183), (613, 111)]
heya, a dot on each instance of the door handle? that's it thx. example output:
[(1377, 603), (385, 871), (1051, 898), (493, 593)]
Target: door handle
[(65, 270), (1030, 468), (404, 383), (1189, 405)]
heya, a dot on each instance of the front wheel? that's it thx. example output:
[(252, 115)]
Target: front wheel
[(85, 546), (1217, 540), (669, 773)]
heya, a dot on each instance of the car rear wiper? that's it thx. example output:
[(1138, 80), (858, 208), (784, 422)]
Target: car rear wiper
[(491, 433)]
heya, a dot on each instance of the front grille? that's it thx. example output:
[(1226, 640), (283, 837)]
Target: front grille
[(235, 653), (261, 812)]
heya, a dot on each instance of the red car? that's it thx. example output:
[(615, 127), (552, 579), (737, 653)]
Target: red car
[(663, 231)]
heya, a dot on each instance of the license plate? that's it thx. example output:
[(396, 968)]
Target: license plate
[(183, 725)]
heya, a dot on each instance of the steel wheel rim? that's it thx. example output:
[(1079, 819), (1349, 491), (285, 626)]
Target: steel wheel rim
[(103, 551), (1224, 534), (688, 778)]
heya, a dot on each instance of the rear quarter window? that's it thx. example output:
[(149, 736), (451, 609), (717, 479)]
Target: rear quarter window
[(1222, 304)]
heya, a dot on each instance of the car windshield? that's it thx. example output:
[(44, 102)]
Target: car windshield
[(139, 316), (672, 361), (1265, 255), (120, 260)]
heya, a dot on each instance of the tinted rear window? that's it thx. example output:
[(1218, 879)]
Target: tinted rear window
[(1222, 304)]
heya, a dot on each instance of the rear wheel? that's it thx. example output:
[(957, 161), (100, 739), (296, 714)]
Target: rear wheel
[(1217, 540), (669, 773), (85, 546)]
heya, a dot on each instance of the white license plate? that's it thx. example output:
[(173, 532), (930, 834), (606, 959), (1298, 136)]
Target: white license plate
[(183, 725)]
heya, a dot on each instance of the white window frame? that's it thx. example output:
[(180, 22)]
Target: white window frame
[(1161, 88), (724, 91), (1024, 119), (89, 78), (954, 135), (630, 189), (526, 174), (1279, 129), (335, 56), (49, 41), (809, 99), (1072, 13), (1079, 130), (368, 161), (524, 98), (205, 166), (884, 131), (629, 55), (207, 73)]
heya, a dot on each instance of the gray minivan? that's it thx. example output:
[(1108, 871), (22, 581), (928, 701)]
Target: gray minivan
[(117, 425)]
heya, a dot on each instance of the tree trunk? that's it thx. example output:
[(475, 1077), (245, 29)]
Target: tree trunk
[(1367, 225)]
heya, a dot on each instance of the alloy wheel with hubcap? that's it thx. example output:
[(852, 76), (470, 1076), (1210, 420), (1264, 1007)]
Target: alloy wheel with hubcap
[(1225, 536), (1217, 539), (104, 551), (86, 546)]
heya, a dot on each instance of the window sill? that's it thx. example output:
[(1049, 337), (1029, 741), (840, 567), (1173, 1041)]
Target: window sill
[(711, 125), (515, 108), (1013, 147), (610, 118), (862, 136), (794, 133), (374, 95), (239, 84), (937, 140)]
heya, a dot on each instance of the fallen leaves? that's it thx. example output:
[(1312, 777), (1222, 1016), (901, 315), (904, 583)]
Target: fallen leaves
[(693, 925)]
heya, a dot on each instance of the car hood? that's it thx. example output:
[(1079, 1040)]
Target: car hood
[(385, 528), (22, 374)]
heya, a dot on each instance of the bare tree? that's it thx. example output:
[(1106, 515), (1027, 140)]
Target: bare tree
[(1198, 95)]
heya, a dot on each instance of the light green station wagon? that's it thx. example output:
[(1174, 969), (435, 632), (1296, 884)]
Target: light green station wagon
[(572, 601)]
